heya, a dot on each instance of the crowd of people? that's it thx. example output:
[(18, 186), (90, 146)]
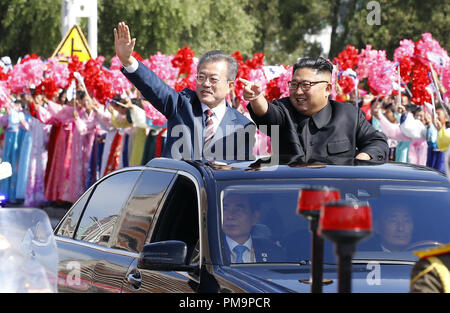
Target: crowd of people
[(60, 141), (417, 133), (59, 147)]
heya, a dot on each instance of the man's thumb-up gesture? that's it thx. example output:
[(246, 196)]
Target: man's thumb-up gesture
[(124, 44)]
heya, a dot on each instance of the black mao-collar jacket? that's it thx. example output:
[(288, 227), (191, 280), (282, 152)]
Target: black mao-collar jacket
[(338, 130)]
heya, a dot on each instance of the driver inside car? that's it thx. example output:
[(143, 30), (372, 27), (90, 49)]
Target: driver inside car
[(239, 218), (395, 228)]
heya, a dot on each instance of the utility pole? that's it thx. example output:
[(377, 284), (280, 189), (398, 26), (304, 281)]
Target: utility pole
[(72, 11)]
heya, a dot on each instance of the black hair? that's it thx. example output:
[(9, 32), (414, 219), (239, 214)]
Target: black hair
[(442, 107), (374, 101), (22, 103), (417, 109), (81, 94), (137, 102), (320, 64), (117, 98), (389, 106), (219, 55), (64, 91)]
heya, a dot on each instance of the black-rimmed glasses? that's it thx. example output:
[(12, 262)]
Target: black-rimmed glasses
[(305, 85)]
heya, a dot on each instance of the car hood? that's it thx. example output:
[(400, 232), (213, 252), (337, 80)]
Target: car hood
[(368, 278)]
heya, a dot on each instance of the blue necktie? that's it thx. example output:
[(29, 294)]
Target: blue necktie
[(239, 251)]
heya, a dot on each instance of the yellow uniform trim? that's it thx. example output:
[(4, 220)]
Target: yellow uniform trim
[(425, 271), (443, 272)]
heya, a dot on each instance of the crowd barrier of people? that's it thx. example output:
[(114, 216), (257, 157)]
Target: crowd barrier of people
[(61, 133), (58, 147)]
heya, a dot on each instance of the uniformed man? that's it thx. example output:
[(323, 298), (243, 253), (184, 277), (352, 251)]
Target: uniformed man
[(431, 272)]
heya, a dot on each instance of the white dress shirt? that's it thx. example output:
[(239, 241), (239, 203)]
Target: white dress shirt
[(219, 113), (247, 256), (133, 67)]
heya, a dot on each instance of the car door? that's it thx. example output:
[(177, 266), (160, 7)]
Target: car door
[(177, 219), (131, 231), (83, 236)]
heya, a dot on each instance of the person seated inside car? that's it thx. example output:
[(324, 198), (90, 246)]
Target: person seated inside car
[(394, 229), (239, 218)]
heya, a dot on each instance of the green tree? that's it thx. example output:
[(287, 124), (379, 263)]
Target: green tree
[(224, 25), (267, 28), (399, 19), (166, 26), (341, 13), (276, 27), (29, 26), (300, 18), (282, 26)]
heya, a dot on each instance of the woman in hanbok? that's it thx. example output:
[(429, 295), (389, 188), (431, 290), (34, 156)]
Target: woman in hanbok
[(13, 120), (85, 124), (137, 117), (58, 169), (55, 129), (389, 125), (135, 122), (436, 155), (413, 126), (112, 149), (34, 195), (23, 168), (443, 139)]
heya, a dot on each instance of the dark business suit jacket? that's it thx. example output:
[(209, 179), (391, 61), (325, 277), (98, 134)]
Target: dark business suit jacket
[(233, 140), (338, 130), (265, 251)]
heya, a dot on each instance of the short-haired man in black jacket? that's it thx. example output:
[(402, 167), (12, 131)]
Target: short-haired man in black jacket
[(312, 126)]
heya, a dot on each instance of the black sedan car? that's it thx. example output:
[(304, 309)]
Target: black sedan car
[(172, 226)]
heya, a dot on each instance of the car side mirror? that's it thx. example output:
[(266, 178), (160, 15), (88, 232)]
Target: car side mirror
[(167, 255)]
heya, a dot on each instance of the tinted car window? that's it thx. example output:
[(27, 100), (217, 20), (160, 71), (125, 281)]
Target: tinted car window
[(69, 224), (406, 215), (140, 209), (104, 207), (178, 219)]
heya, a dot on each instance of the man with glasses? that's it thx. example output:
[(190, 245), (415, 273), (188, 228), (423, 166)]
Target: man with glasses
[(312, 126), (200, 124)]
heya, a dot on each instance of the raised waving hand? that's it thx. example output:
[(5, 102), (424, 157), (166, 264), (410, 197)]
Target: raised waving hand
[(124, 44)]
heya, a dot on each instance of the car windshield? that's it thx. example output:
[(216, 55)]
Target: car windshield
[(406, 216)]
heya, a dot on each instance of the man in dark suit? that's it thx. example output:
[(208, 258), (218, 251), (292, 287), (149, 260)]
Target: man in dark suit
[(311, 126), (239, 220), (201, 124)]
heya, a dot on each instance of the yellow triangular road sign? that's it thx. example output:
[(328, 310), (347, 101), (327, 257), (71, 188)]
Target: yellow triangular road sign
[(74, 43)]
